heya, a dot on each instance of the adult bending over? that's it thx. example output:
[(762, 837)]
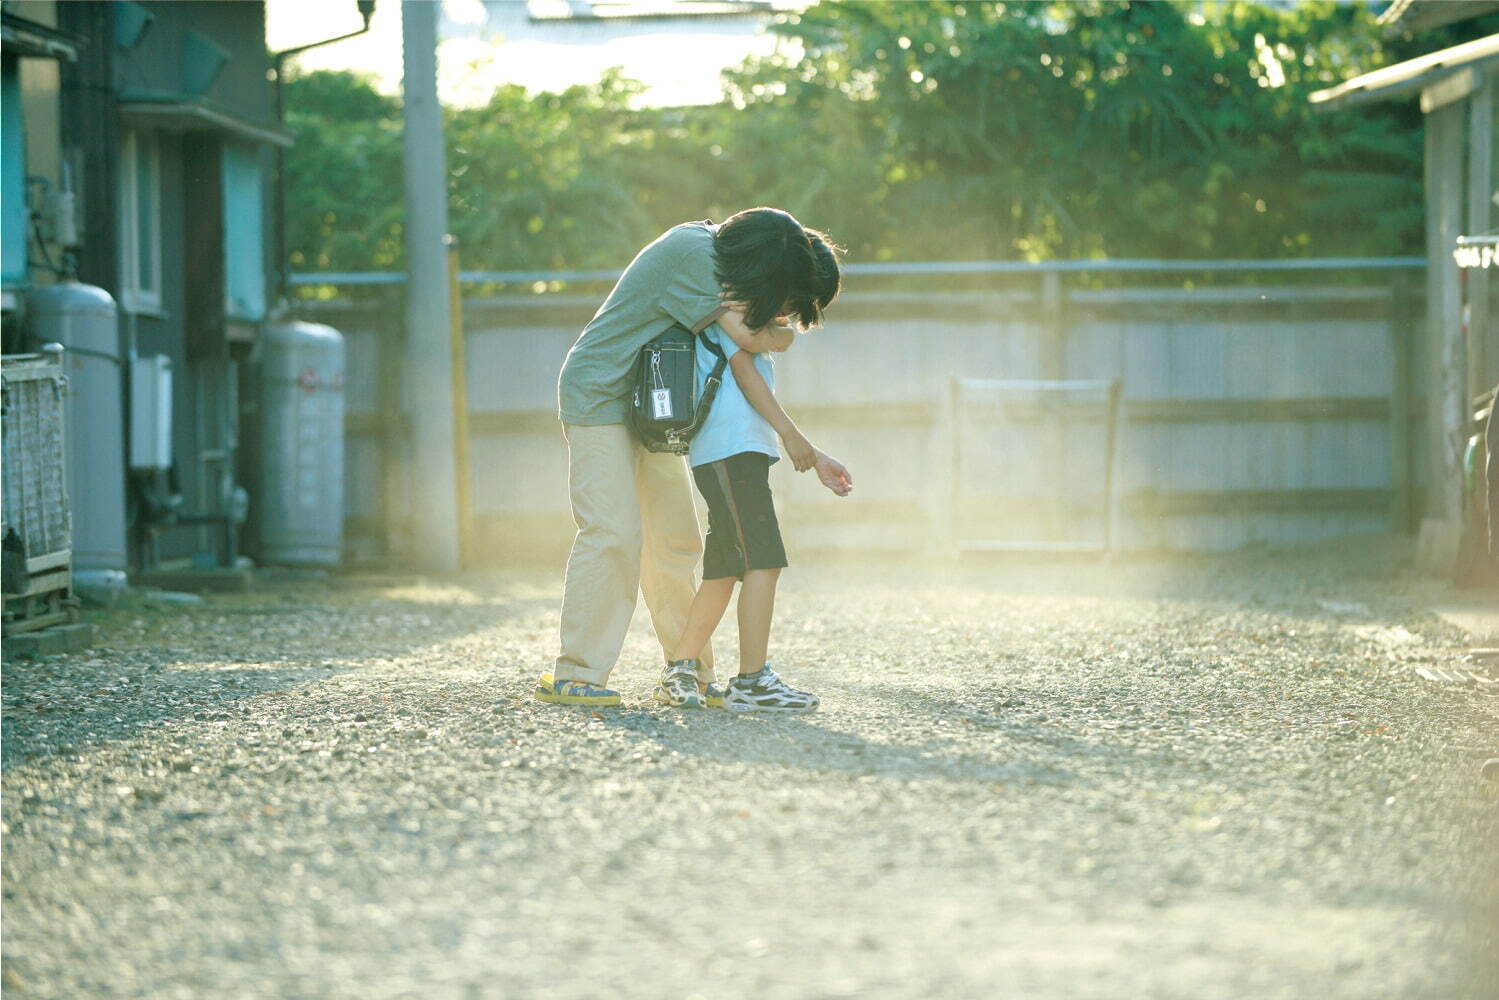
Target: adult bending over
[(637, 527)]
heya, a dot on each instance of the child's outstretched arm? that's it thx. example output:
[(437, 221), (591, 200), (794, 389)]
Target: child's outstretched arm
[(803, 456)]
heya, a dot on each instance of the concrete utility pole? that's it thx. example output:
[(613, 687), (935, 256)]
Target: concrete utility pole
[(1446, 361), (429, 357)]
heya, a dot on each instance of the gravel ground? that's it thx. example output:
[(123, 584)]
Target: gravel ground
[(1218, 779)]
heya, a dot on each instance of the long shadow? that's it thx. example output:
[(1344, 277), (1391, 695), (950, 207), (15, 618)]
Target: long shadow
[(300, 625), (815, 743), (1038, 723), (93, 706), (153, 666)]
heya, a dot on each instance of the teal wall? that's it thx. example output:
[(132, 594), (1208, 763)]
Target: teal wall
[(13, 180), (244, 232), (192, 42)]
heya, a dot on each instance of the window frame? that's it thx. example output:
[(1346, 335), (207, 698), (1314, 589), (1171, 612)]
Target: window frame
[(140, 147)]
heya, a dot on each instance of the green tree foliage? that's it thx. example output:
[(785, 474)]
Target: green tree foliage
[(534, 180), (1087, 129), (551, 180), (934, 130), (343, 175)]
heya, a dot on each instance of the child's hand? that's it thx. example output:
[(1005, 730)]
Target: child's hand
[(833, 475), (803, 456)]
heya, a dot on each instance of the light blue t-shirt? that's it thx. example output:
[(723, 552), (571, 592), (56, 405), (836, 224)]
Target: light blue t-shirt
[(733, 425)]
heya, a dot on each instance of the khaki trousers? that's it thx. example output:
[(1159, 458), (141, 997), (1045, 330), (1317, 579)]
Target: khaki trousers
[(637, 531)]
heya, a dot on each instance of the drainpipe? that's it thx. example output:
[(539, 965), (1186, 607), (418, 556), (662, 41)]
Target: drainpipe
[(278, 65)]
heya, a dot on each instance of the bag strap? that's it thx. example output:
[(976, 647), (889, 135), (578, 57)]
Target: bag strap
[(709, 319), (710, 384)]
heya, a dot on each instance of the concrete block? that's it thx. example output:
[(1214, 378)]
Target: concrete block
[(75, 637), (237, 580), (44, 642)]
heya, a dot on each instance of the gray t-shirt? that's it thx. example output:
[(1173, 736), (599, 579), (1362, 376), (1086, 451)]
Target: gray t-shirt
[(670, 281)]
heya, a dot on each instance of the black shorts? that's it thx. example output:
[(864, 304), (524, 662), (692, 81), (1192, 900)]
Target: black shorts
[(743, 533)]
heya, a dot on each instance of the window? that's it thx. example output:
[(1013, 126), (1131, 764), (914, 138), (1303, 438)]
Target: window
[(140, 222), (13, 184), (244, 233)]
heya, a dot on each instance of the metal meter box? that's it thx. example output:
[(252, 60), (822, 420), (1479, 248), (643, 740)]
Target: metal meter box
[(300, 429), (151, 414), (83, 319)]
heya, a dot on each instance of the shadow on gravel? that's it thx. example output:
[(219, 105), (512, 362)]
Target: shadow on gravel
[(809, 743), (154, 666), (93, 706), (305, 629)]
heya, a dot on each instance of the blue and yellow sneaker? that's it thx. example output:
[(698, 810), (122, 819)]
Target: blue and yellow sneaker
[(712, 695), (555, 692)]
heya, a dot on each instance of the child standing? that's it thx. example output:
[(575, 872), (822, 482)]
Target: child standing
[(731, 456)]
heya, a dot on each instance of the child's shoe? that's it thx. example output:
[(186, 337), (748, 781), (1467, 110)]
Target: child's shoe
[(764, 691), (712, 695), (555, 692), (678, 685)]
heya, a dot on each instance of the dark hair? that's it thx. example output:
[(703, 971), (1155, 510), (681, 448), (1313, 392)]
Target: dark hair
[(766, 259)]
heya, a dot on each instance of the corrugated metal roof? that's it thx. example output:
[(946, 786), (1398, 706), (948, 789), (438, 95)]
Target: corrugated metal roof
[(1409, 77)]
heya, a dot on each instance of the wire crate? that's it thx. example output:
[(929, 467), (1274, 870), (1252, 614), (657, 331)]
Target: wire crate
[(35, 523)]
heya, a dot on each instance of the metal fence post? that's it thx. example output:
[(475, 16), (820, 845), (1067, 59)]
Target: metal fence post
[(948, 420), (462, 469), (390, 422), (1402, 340), (1053, 361)]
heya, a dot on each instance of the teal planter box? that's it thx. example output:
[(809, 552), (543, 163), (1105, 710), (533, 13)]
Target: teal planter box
[(131, 22), (202, 61)]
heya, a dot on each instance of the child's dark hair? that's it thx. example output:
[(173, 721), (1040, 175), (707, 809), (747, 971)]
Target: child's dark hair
[(766, 259)]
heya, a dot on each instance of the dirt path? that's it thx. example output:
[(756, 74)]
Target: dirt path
[(1216, 781)]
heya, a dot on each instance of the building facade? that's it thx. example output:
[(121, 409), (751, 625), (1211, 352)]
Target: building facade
[(161, 129)]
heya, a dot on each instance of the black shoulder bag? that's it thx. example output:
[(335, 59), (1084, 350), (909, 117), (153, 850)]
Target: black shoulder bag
[(666, 409)]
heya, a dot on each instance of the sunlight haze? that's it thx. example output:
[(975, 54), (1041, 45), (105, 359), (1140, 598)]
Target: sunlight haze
[(485, 45)]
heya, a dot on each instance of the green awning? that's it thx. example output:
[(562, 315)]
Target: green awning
[(174, 113)]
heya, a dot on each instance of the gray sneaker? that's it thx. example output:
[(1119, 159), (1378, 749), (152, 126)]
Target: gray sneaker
[(764, 691), (678, 685)]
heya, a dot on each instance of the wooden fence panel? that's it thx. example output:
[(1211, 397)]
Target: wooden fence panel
[(1245, 419)]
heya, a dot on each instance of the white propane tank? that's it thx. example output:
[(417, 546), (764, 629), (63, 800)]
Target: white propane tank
[(300, 486), (84, 320)]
